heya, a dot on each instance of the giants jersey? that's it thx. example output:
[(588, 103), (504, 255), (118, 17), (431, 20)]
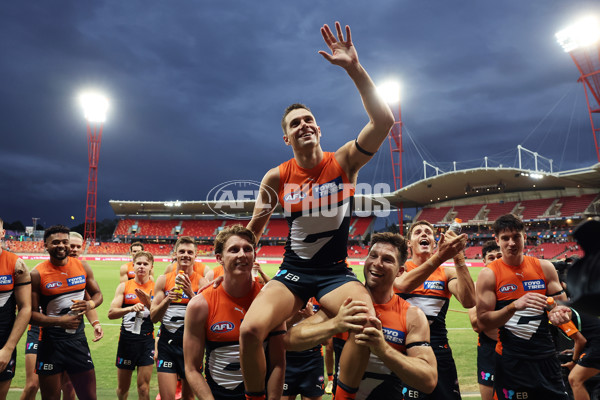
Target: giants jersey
[(129, 299), (172, 321), (317, 203), (58, 287), (526, 333), (393, 320), (8, 261), (130, 271), (433, 297), (222, 364)]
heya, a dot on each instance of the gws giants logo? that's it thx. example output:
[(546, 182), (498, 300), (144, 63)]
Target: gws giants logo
[(508, 288), (222, 327)]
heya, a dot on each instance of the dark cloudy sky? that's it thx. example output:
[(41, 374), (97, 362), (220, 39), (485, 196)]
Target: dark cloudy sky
[(197, 89)]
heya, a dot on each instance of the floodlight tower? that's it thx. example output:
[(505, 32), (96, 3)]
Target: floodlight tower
[(390, 91), (582, 41), (94, 107)]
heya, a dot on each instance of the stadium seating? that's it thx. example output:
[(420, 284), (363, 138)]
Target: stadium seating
[(575, 206), (468, 212), (124, 227), (434, 215), (276, 229), (271, 251), (16, 246), (473, 252), (200, 228), (495, 210), (359, 227), (535, 209)]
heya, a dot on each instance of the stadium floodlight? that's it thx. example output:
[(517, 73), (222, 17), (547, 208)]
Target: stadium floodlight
[(583, 33), (390, 92), (95, 107)]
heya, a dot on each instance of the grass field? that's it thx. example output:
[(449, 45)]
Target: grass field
[(462, 338)]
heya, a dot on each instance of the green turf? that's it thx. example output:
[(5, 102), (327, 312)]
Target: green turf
[(462, 339)]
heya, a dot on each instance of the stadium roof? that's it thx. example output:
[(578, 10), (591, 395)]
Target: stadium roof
[(463, 186)]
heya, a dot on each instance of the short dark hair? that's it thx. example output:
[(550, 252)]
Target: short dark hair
[(139, 244), (396, 240), (488, 246), (508, 222), (184, 239), (289, 109), (417, 223), (233, 230), (55, 229), (143, 253)]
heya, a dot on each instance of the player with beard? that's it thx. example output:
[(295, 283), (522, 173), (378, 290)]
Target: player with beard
[(433, 297), (15, 297), (58, 287)]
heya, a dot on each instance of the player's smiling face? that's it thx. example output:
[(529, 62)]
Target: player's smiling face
[(238, 256), (511, 243), (422, 239), (301, 129), (186, 255), (382, 266), (57, 245)]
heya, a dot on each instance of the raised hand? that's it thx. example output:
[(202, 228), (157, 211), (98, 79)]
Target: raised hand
[(343, 52)]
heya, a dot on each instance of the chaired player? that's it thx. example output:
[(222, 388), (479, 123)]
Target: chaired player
[(136, 340), (398, 337), (316, 191), (486, 340), (212, 323), (433, 295), (169, 307), (126, 271), (15, 311), (511, 297), (58, 287)]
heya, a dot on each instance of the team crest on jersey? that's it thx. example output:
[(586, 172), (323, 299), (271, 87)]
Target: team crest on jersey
[(76, 280), (53, 285), (393, 336), (6, 280), (222, 327), (328, 188), (434, 285), (508, 288), (130, 296), (294, 197), (535, 284)]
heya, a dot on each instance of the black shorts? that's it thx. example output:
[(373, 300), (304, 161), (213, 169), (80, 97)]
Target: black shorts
[(135, 352), (33, 338), (590, 357), (486, 360), (56, 356), (304, 374), (170, 356), (314, 282), (447, 386), (519, 378), (9, 371)]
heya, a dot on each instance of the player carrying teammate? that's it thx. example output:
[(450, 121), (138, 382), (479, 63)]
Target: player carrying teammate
[(136, 341), (315, 189), (212, 323)]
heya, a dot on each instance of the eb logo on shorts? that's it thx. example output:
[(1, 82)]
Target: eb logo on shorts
[(288, 276)]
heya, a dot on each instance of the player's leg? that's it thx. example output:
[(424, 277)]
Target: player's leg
[(66, 387), (273, 305), (186, 390), (84, 384), (167, 383), (50, 386), (32, 384), (143, 381), (354, 358), (123, 382), (329, 365), (577, 378), (4, 386)]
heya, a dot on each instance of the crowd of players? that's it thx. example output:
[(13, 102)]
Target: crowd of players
[(227, 339)]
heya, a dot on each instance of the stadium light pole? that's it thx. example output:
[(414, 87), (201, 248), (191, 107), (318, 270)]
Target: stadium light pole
[(582, 41), (390, 91), (94, 108)]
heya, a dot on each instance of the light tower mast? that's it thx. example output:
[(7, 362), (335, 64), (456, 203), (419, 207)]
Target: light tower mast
[(582, 41)]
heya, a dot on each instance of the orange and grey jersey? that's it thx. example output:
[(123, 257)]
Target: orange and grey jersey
[(526, 333), (8, 262), (129, 299), (317, 203), (222, 364), (59, 285), (172, 321), (130, 271), (378, 376), (433, 297)]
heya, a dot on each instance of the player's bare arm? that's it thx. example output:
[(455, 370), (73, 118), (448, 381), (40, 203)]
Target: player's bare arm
[(381, 119), (447, 248), (117, 310), (266, 201), (161, 301), (22, 292), (418, 367), (194, 340), (92, 288), (123, 273)]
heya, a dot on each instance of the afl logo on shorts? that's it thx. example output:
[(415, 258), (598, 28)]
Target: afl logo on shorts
[(53, 285), (508, 288), (222, 327)]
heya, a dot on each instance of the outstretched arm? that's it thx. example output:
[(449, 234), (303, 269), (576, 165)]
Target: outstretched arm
[(194, 338), (381, 119), (266, 202)]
